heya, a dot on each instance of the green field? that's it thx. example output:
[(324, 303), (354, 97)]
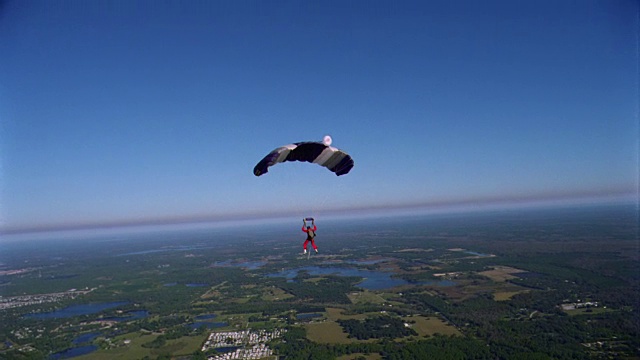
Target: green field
[(506, 295), (365, 297), (338, 314), (134, 350), (328, 332), (275, 294), (429, 326)]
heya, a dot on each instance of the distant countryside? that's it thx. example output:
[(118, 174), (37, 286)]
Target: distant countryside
[(557, 283)]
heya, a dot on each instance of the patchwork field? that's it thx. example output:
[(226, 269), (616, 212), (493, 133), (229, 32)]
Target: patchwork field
[(506, 295), (134, 349), (330, 332), (274, 294), (334, 314), (365, 297), (327, 332), (501, 273), (213, 291), (428, 326)]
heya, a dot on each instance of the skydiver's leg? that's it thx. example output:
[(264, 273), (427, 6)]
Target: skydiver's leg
[(313, 243), (304, 246)]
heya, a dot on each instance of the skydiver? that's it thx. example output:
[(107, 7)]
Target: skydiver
[(311, 234)]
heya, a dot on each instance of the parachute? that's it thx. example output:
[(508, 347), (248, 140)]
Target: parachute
[(321, 153)]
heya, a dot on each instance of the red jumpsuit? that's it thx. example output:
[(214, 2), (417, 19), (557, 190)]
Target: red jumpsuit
[(310, 238)]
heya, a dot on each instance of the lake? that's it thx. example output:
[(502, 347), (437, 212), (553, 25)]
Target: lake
[(85, 338), (197, 285), (207, 324), (128, 316), (372, 280), (76, 310), (201, 320), (206, 317), (73, 352)]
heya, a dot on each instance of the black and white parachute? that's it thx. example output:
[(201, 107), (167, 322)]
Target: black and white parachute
[(321, 153)]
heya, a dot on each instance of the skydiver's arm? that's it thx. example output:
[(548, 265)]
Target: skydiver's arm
[(304, 229), (314, 228)]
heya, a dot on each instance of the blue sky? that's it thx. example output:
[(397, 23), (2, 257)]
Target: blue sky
[(127, 111)]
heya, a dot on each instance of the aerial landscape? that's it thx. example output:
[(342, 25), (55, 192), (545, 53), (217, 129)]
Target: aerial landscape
[(349, 180), (544, 283)]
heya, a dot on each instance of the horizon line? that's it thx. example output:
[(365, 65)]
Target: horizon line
[(460, 205)]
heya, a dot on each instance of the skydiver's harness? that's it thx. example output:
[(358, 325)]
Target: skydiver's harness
[(310, 234)]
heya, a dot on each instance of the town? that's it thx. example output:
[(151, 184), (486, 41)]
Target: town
[(248, 344), (36, 299)]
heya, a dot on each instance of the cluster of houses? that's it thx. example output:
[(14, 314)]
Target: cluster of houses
[(579, 305), (246, 344), (255, 352), (36, 299)]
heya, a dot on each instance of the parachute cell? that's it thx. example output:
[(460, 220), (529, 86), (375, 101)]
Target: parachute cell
[(319, 153)]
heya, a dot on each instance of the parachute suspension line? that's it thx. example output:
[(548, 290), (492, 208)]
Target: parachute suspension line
[(323, 199), (336, 188), (314, 152), (319, 153), (319, 205)]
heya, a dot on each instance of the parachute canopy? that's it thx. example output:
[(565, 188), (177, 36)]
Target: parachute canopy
[(319, 153)]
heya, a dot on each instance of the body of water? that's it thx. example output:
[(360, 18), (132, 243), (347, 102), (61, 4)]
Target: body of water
[(373, 280), (207, 324), (76, 310), (201, 320), (85, 338), (197, 285), (206, 317), (73, 352), (252, 265), (307, 316)]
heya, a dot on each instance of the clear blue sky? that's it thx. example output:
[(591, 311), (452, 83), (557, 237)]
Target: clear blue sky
[(120, 111)]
